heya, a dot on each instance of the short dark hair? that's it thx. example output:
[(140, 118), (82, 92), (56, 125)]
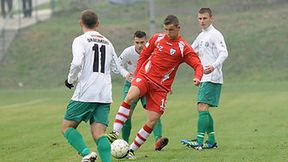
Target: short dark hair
[(171, 19), (205, 10), (89, 18), (140, 34)]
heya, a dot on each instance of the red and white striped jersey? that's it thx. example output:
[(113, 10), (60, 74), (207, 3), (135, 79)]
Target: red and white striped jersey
[(161, 57)]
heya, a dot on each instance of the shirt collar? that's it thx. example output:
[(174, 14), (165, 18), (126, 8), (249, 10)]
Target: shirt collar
[(208, 29)]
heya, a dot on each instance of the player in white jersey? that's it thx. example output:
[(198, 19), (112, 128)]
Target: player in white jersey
[(93, 58), (128, 59), (211, 48)]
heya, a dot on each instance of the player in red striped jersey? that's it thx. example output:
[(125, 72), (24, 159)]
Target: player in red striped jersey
[(154, 75)]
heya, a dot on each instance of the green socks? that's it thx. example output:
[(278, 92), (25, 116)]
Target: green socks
[(75, 139), (210, 130), (126, 130), (104, 149), (203, 122), (157, 130)]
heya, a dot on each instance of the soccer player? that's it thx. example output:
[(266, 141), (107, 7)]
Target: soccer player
[(211, 48), (128, 59), (10, 7), (93, 58), (155, 73)]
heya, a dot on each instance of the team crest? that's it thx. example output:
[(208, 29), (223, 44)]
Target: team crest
[(172, 51)]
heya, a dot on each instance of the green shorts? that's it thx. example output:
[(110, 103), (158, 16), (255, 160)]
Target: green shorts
[(125, 92), (209, 93), (84, 111)]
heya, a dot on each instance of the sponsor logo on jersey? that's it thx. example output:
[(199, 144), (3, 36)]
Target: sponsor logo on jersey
[(172, 51)]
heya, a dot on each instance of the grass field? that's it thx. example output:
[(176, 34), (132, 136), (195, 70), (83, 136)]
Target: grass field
[(251, 125)]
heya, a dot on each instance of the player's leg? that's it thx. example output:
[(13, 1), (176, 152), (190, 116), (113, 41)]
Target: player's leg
[(160, 141), (144, 132), (123, 112), (156, 104), (102, 142), (10, 7), (202, 123), (3, 13), (203, 115), (157, 131), (138, 88), (74, 138), (99, 122), (211, 142), (24, 8), (216, 89), (30, 8), (73, 116), (208, 96), (126, 130)]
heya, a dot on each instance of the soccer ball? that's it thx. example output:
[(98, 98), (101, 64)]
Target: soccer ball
[(119, 148)]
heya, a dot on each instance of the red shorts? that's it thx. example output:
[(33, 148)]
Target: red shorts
[(156, 97)]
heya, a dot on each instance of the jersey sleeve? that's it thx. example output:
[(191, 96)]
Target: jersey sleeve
[(115, 64), (146, 52), (220, 45), (195, 45), (192, 59), (77, 61), (123, 58)]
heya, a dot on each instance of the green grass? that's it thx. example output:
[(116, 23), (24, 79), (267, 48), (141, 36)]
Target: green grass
[(250, 124)]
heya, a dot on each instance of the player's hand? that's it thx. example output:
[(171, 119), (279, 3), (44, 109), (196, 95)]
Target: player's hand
[(196, 82), (208, 69), (68, 84), (129, 77)]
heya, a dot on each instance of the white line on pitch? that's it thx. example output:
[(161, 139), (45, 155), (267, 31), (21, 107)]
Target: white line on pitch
[(24, 103)]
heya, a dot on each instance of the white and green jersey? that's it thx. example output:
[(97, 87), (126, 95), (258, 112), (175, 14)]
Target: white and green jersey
[(128, 59), (211, 49), (93, 58)]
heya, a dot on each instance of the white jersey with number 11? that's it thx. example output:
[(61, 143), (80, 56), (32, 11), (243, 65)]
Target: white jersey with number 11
[(93, 58)]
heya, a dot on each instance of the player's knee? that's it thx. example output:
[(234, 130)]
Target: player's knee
[(63, 130), (203, 107), (130, 99)]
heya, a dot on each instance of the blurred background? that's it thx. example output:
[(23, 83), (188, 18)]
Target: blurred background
[(36, 35)]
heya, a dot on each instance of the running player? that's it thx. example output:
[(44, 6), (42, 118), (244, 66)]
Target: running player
[(128, 59), (154, 75), (93, 59)]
